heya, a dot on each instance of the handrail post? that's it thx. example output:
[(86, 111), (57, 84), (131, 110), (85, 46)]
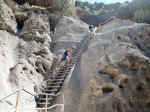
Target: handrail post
[(17, 101), (63, 97), (46, 103)]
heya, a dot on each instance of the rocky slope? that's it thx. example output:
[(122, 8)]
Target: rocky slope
[(116, 57), (117, 70)]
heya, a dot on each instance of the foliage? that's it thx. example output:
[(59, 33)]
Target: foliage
[(25, 6), (138, 10), (141, 9), (91, 8), (67, 12), (142, 15)]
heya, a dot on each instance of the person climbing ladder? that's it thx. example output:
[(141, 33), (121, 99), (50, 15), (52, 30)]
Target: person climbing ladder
[(52, 28), (66, 58)]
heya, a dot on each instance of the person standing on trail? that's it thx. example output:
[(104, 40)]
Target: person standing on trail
[(91, 27), (92, 30)]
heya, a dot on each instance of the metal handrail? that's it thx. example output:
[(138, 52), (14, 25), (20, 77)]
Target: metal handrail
[(51, 107), (13, 93), (29, 92), (1, 100)]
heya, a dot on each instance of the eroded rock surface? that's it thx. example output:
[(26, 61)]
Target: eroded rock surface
[(118, 59), (25, 59), (7, 18), (69, 33), (8, 57)]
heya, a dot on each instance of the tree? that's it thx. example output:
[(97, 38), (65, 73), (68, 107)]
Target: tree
[(136, 4), (139, 16)]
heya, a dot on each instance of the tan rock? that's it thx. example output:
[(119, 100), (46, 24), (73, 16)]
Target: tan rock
[(108, 87), (94, 89), (122, 80), (110, 70), (7, 18)]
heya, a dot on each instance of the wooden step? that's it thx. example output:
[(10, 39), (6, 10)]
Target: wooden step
[(54, 91), (58, 79), (41, 105), (55, 81), (61, 76), (49, 90), (54, 84), (44, 99), (61, 73), (43, 95), (52, 87)]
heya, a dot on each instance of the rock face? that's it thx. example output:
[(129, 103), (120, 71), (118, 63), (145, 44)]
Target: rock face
[(55, 4), (117, 71), (35, 45), (8, 57), (7, 18), (35, 26), (69, 32), (25, 59), (40, 3)]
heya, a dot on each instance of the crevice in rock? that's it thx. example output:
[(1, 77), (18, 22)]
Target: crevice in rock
[(25, 68), (20, 2), (141, 86), (124, 82), (121, 86), (107, 89), (20, 24), (31, 72), (52, 26), (44, 68), (37, 70), (148, 104)]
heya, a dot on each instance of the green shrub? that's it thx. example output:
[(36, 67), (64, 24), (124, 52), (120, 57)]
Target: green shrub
[(67, 12)]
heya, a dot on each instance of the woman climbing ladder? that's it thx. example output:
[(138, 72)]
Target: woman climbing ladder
[(66, 58)]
